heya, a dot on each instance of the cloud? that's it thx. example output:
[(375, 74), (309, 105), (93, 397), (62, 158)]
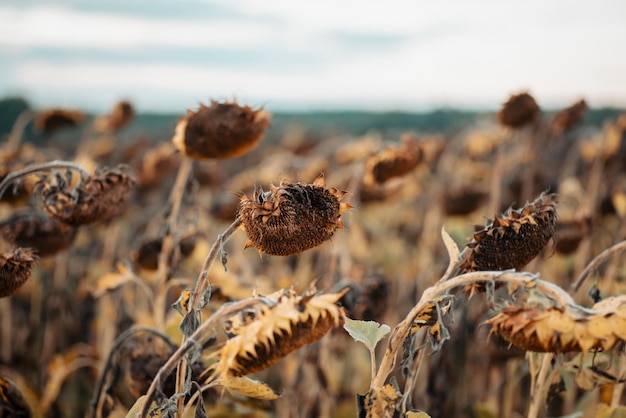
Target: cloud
[(390, 54)]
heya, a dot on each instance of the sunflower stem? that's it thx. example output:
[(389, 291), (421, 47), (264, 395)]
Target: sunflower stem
[(599, 259), (170, 239)]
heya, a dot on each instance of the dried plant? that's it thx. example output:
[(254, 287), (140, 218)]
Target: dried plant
[(512, 239), (558, 329), (12, 401), (36, 230), (394, 162), (122, 302)]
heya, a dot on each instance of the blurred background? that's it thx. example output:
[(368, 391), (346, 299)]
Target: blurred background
[(414, 56)]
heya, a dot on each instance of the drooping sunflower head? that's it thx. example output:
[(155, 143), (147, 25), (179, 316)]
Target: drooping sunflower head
[(121, 115), (514, 238), (97, 198), (518, 111), (394, 161), (221, 130), (292, 217), (36, 230), (15, 269), (569, 117)]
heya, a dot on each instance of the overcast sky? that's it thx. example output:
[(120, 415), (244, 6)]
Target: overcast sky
[(170, 55)]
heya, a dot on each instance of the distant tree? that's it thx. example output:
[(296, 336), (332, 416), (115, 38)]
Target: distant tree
[(10, 108)]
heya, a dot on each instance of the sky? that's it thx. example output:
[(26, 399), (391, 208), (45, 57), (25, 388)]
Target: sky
[(295, 55)]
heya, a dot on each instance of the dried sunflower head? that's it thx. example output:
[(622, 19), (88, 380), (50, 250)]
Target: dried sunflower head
[(221, 130), (514, 238), (518, 111), (15, 269), (569, 117), (259, 338), (563, 329), (462, 201), (292, 217), (13, 404), (51, 120), (121, 115), (97, 198), (36, 230), (147, 256), (394, 162)]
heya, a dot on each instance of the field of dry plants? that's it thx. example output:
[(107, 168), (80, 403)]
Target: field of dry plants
[(215, 274)]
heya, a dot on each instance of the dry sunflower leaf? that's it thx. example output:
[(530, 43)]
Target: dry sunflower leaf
[(113, 280), (248, 387)]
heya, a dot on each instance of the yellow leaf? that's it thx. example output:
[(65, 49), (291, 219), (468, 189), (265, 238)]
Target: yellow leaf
[(113, 280), (248, 387)]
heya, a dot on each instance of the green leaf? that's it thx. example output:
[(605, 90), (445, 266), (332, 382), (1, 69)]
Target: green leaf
[(366, 332)]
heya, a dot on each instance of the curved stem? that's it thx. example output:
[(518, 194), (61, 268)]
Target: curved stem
[(201, 284), (225, 311), (10, 178), (600, 258), (400, 332), (95, 407), (203, 277)]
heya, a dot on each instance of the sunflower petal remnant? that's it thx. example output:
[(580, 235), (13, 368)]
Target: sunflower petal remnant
[(260, 338)]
